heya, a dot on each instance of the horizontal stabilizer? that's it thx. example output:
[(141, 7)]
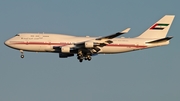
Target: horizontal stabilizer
[(161, 40)]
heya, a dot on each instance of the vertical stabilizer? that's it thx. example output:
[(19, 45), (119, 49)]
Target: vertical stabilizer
[(159, 29)]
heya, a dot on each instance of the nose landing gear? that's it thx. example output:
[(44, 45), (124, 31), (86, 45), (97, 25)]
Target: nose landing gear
[(22, 54)]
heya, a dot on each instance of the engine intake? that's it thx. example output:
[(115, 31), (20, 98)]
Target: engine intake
[(89, 44), (65, 49)]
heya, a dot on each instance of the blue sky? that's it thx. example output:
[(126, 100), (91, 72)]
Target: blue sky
[(146, 75)]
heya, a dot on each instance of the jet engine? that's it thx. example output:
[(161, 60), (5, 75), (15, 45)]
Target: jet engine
[(89, 44), (65, 49)]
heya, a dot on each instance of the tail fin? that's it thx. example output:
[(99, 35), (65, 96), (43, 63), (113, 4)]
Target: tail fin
[(159, 29)]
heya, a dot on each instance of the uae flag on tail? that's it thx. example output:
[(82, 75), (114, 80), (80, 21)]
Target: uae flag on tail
[(159, 26)]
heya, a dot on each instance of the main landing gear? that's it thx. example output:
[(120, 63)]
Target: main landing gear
[(81, 56), (22, 54)]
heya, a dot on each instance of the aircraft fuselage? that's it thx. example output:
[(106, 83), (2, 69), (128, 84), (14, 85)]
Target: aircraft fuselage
[(40, 42)]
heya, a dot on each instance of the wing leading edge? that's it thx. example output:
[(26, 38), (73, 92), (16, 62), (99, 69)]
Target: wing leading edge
[(114, 35), (101, 41)]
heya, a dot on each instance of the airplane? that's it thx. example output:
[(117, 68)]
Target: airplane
[(86, 47)]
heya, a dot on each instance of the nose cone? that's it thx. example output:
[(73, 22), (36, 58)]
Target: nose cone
[(6, 42)]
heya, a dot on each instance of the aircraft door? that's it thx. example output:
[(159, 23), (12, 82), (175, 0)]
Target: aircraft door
[(136, 46), (40, 36), (48, 46), (26, 41), (40, 40)]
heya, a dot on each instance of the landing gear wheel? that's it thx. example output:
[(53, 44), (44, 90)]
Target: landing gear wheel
[(89, 58), (80, 57), (80, 60), (22, 56)]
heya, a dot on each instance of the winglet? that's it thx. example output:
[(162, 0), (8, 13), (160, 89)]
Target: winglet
[(126, 30)]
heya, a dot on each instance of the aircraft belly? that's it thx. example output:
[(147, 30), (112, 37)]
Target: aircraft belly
[(34, 48), (112, 50)]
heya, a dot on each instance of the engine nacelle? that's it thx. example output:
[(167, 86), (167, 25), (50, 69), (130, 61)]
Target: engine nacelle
[(89, 44), (65, 49)]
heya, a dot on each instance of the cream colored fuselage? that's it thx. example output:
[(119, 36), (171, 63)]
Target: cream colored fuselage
[(36, 42)]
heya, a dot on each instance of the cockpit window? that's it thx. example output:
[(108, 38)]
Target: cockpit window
[(17, 35)]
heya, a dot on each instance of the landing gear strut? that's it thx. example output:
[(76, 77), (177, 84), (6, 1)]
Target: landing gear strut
[(87, 57), (81, 56), (22, 55)]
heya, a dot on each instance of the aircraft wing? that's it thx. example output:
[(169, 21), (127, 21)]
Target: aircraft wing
[(114, 35), (102, 41), (93, 44)]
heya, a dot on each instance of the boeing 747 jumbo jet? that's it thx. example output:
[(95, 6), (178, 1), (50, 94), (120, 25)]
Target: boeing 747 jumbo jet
[(85, 47)]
